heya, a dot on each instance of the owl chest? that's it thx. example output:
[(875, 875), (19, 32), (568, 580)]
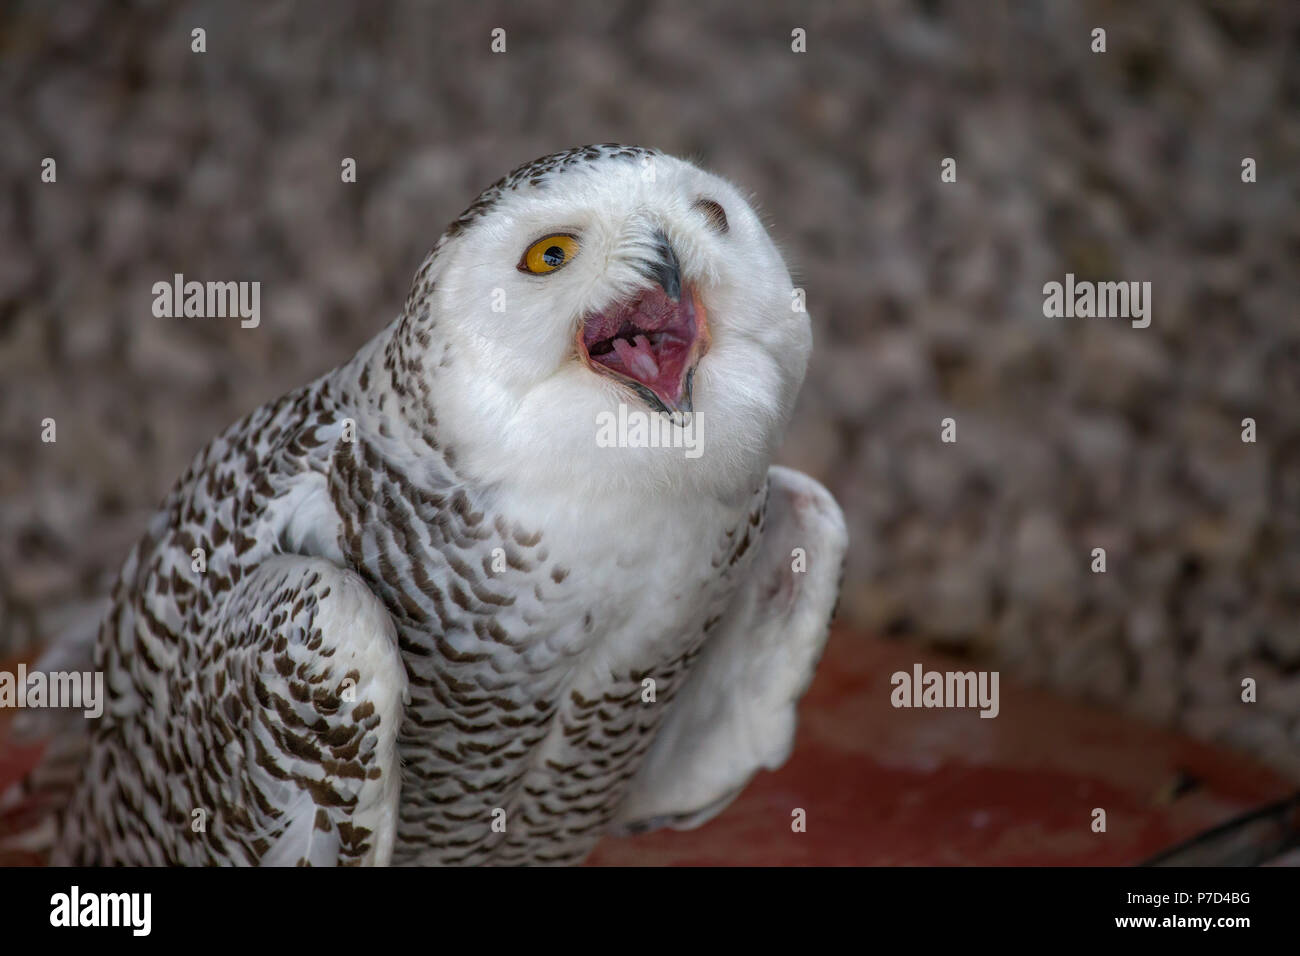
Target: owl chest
[(518, 625), (512, 603), (536, 688)]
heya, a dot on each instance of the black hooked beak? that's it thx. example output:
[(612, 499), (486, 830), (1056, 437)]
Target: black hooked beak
[(664, 268), (685, 405), (652, 341)]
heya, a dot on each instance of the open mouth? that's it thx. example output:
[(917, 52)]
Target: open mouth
[(651, 344)]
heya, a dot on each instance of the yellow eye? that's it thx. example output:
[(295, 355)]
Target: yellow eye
[(547, 255)]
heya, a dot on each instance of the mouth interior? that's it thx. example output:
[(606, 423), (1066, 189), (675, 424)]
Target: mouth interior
[(647, 340)]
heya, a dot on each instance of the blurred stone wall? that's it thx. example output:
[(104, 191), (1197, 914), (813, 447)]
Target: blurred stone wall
[(926, 296)]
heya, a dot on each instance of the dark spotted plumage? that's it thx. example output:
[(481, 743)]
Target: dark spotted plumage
[(540, 172), (333, 645)]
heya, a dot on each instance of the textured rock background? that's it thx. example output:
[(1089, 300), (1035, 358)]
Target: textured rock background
[(926, 297)]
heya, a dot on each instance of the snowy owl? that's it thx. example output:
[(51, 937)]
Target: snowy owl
[(419, 612)]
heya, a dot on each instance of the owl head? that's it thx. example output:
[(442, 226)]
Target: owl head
[(607, 285)]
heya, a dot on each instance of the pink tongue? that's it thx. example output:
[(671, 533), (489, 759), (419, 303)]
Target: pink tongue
[(638, 357)]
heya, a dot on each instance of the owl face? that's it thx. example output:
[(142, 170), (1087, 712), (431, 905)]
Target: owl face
[(620, 278)]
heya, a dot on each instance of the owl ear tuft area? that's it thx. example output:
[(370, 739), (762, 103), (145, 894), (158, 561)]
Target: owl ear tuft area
[(714, 213)]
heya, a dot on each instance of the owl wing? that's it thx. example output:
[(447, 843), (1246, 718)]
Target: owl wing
[(736, 712), (276, 741), (328, 740)]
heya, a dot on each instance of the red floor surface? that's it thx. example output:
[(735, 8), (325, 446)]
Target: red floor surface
[(885, 786)]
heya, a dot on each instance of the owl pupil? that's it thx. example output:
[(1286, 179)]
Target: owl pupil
[(553, 256)]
